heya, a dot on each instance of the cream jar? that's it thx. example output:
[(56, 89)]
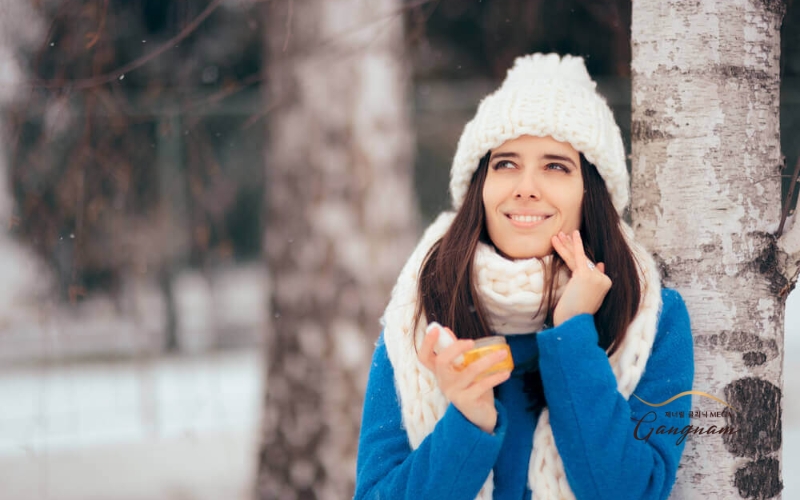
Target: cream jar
[(486, 346)]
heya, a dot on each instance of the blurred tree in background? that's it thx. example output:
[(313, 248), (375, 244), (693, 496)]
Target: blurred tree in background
[(790, 102), (341, 220), (137, 148), (454, 39)]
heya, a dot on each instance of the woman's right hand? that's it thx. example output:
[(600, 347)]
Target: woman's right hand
[(473, 396)]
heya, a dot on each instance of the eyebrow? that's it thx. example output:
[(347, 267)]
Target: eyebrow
[(559, 158), (548, 156), (504, 155)]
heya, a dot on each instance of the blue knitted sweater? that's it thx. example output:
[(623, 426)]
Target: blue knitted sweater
[(609, 445)]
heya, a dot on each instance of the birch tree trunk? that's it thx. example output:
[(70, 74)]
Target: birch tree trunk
[(706, 201), (341, 220)]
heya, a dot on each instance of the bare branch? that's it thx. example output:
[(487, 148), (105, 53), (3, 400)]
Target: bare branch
[(114, 75), (96, 35)]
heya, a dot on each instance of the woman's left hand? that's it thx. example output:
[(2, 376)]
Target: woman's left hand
[(588, 285)]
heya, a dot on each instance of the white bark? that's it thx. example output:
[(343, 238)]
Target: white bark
[(706, 200), (340, 223)]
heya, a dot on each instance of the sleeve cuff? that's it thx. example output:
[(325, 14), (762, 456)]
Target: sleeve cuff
[(470, 446), (457, 423)]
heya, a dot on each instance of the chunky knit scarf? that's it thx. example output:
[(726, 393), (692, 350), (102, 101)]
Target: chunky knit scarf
[(511, 292)]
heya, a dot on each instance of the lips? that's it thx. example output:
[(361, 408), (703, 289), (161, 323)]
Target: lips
[(527, 220)]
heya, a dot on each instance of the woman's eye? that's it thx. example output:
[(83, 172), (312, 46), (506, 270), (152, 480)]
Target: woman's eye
[(557, 166), (500, 165)]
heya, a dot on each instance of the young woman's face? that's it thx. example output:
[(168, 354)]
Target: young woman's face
[(533, 190)]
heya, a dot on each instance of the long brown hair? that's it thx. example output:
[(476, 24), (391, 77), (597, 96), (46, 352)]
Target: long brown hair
[(448, 295)]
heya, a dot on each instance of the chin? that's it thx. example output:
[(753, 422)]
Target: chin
[(522, 254)]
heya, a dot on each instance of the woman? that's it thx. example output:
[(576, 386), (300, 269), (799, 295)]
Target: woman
[(538, 185)]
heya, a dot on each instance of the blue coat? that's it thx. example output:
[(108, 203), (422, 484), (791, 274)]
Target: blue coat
[(609, 445)]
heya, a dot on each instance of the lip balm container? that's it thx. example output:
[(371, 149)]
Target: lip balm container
[(483, 346), (488, 345)]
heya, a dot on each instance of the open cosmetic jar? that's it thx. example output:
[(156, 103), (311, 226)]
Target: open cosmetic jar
[(483, 347), (488, 345)]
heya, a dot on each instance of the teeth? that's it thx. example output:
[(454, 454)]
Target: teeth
[(528, 218)]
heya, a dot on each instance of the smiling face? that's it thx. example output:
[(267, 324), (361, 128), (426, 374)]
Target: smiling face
[(533, 190)]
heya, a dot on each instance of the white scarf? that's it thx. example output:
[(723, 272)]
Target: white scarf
[(510, 292)]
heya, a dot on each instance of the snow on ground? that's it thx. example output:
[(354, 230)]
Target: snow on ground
[(169, 428)]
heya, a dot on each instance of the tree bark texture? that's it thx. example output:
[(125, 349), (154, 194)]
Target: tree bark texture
[(707, 200), (341, 219)]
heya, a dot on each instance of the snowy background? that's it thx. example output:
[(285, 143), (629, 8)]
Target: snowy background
[(94, 406), (101, 413)]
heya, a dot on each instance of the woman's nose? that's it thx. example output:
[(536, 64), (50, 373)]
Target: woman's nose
[(528, 186)]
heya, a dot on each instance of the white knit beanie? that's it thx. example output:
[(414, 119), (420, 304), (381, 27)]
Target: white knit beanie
[(545, 95)]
